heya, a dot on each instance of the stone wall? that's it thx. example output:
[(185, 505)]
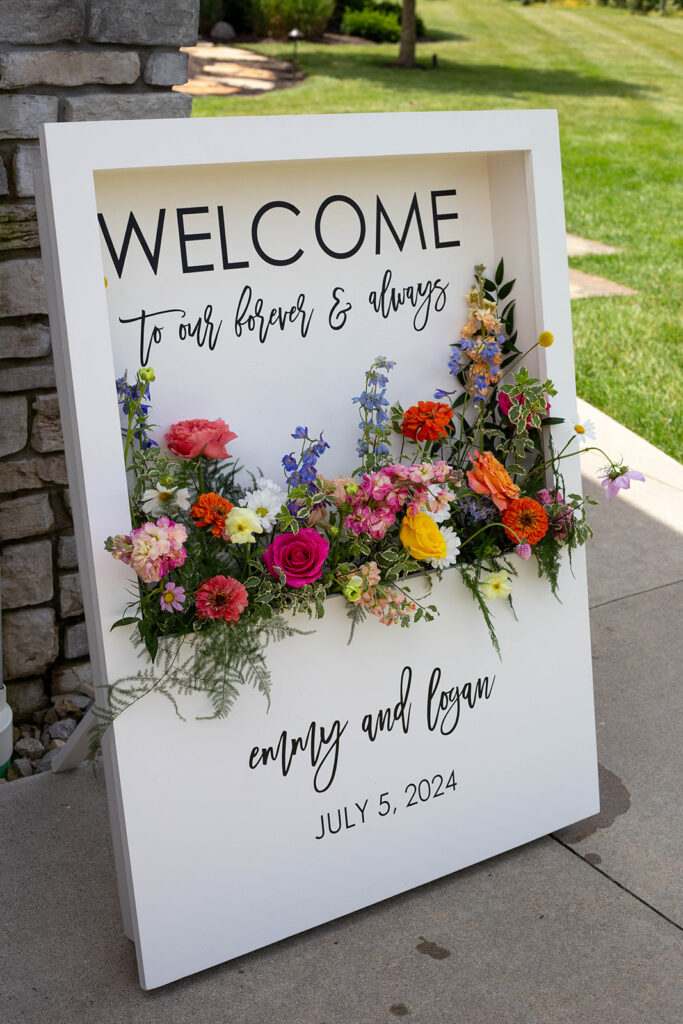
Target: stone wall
[(60, 60)]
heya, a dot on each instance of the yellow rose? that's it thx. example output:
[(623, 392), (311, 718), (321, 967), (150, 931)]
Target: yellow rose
[(422, 538)]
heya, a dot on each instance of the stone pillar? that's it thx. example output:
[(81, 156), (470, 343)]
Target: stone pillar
[(60, 60)]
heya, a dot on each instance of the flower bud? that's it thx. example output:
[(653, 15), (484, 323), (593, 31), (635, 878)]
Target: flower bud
[(352, 588), (351, 488), (147, 374)]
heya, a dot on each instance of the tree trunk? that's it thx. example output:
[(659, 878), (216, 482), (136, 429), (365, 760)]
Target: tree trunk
[(406, 56)]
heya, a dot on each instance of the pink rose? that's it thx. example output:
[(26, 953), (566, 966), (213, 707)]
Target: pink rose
[(191, 438), (300, 556)]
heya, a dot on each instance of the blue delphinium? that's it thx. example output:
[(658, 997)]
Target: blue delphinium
[(131, 398), (373, 447), (303, 471)]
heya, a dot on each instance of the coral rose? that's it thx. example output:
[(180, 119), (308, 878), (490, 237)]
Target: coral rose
[(489, 477), (300, 556), (191, 438), (422, 538)]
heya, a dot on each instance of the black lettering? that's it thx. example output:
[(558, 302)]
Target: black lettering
[(184, 238), (277, 203), (227, 265), (413, 211), (361, 220), (119, 259), (436, 217)]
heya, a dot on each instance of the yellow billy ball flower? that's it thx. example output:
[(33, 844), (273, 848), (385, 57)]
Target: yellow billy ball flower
[(545, 339), (496, 584), (421, 537)]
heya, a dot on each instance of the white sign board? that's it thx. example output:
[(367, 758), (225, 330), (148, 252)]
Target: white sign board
[(259, 264)]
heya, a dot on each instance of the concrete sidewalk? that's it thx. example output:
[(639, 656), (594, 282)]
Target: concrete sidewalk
[(581, 927)]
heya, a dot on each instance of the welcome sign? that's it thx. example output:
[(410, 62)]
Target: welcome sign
[(259, 265)]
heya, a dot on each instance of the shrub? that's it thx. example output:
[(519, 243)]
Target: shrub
[(389, 7), (370, 23), (278, 17), (372, 27)]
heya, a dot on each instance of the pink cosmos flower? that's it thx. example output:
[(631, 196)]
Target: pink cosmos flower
[(622, 481), (301, 556), (191, 438), (172, 598), (221, 597)]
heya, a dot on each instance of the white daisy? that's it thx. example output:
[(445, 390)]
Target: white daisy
[(452, 549), (266, 501), (585, 430), (162, 499)]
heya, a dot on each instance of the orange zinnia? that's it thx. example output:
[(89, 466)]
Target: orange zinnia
[(525, 521), (211, 510), (426, 421)]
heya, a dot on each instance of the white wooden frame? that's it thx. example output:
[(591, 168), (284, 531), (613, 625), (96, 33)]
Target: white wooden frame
[(72, 155)]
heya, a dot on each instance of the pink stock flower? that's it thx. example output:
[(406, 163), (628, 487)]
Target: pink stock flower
[(152, 549), (191, 438), (618, 478), (301, 556), (560, 514)]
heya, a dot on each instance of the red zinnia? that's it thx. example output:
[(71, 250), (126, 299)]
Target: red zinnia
[(211, 510), (221, 597), (426, 421), (525, 521)]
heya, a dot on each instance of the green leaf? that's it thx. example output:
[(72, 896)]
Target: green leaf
[(489, 285), (506, 289), (500, 271), (127, 620), (152, 644)]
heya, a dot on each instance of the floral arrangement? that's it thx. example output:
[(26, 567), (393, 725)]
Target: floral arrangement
[(470, 480)]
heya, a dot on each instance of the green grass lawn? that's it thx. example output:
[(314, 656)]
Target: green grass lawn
[(616, 81)]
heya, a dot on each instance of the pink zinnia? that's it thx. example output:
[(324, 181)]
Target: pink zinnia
[(221, 597)]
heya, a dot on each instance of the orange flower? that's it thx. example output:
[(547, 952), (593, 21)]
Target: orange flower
[(426, 421), (211, 510), (489, 477), (525, 521)]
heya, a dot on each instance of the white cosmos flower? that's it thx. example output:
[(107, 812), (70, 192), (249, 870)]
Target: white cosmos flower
[(160, 500), (452, 549), (266, 501)]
